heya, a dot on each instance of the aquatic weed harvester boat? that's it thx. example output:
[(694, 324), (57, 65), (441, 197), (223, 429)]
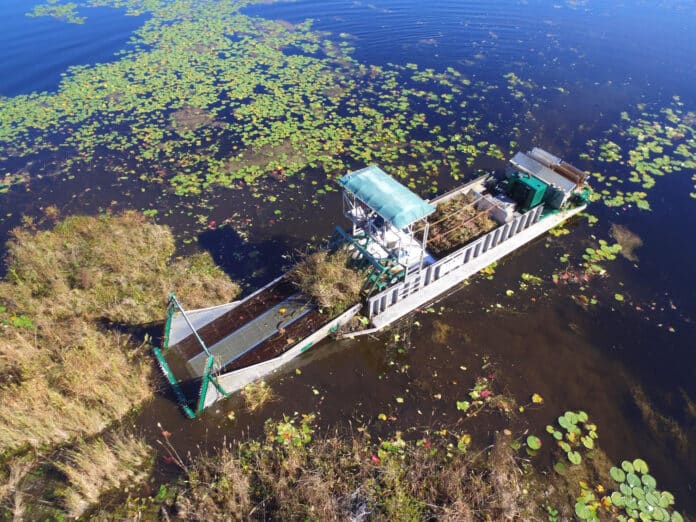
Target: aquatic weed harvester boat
[(409, 250)]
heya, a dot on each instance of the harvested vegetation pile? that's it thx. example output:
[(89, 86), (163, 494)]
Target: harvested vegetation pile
[(456, 222), (68, 367), (328, 278)]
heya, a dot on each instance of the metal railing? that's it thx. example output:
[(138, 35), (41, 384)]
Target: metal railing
[(455, 261)]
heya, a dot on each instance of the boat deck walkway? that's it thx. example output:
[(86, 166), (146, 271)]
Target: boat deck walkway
[(251, 334)]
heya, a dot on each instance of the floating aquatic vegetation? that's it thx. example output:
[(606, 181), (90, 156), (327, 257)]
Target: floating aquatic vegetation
[(638, 496), (645, 146), (533, 442), (64, 12), (576, 434), (205, 96), (482, 397)]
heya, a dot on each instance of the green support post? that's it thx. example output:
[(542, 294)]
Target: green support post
[(168, 324), (175, 384), (204, 384)]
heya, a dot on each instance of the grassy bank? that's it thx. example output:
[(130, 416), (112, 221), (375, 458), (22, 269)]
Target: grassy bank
[(296, 474), (69, 368)]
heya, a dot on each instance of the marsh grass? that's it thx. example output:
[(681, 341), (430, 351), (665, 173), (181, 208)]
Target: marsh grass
[(12, 495), (336, 477), (329, 278), (62, 374), (113, 267), (102, 465)]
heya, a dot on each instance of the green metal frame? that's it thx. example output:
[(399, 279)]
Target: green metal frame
[(208, 376), (175, 384), (376, 278), (207, 379), (168, 324)]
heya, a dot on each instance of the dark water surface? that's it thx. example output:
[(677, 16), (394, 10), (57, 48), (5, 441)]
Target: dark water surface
[(609, 56)]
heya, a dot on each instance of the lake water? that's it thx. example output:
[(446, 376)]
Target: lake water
[(585, 73)]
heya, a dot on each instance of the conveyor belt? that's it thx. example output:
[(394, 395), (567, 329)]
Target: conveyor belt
[(253, 333)]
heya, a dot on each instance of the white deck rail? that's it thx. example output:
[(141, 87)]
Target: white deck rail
[(456, 260)]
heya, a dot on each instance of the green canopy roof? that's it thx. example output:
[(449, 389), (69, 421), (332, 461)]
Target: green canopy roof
[(386, 196)]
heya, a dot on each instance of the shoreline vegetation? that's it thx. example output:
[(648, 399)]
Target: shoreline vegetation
[(70, 365), (72, 370)]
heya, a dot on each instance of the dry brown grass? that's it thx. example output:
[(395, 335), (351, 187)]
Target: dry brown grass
[(335, 478), (217, 489), (102, 465), (62, 375), (256, 395), (12, 496), (328, 278), (116, 268), (84, 389)]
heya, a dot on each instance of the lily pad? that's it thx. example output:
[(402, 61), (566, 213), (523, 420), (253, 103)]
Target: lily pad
[(587, 442), (533, 442), (652, 499), (617, 474), (640, 466), (626, 490), (463, 405), (666, 499), (574, 457), (649, 482), (571, 417), (627, 466), (632, 480), (582, 511)]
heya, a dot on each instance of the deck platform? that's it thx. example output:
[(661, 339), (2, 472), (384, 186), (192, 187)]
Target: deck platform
[(253, 333)]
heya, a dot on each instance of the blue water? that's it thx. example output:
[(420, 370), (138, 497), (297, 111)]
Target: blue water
[(609, 55), (605, 41), (35, 52)]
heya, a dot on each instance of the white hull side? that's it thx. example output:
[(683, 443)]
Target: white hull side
[(432, 291), (237, 379)]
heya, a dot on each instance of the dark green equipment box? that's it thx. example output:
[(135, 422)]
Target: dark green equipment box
[(527, 191)]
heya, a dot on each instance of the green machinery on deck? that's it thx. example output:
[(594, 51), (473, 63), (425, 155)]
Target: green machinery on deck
[(527, 191)]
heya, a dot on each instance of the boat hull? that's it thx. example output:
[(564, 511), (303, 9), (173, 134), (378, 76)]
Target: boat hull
[(233, 381), (391, 306)]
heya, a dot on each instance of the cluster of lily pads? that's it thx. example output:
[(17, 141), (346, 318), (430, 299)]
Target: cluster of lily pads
[(594, 256), (638, 496), (645, 145), (575, 433), (636, 499), (205, 97), (66, 12)]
